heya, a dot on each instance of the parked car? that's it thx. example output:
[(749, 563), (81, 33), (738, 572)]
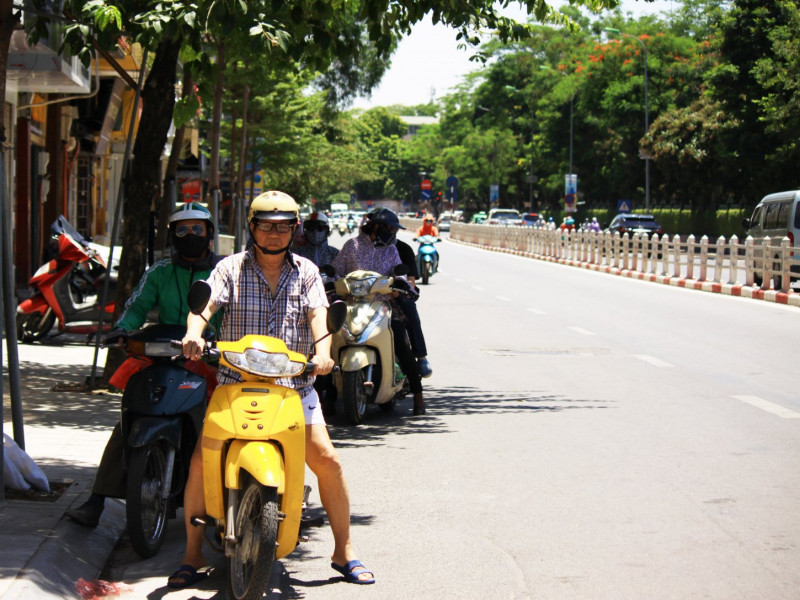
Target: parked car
[(630, 223), (776, 216), (504, 216), (478, 217)]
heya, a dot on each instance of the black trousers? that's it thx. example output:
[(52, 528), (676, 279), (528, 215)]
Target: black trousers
[(402, 348), (112, 476)]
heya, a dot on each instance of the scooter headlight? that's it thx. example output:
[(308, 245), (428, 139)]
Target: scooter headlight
[(361, 287), (264, 364)]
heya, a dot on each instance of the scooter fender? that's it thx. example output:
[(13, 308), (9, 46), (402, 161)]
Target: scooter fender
[(35, 303), (264, 462), (146, 430), (355, 358)]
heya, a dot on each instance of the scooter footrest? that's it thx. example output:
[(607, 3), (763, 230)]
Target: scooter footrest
[(198, 521), (317, 521)]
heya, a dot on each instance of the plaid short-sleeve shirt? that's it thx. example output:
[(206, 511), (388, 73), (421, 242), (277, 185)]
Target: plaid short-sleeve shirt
[(238, 284)]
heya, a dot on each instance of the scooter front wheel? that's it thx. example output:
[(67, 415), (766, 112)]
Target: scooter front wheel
[(34, 326), (354, 396), (256, 520), (145, 508), (426, 272)]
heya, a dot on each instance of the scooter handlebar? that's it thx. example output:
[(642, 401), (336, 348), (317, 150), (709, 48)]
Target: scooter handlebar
[(310, 369), (207, 351), (113, 337)]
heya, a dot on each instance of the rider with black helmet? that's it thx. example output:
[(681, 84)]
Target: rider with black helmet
[(374, 250)]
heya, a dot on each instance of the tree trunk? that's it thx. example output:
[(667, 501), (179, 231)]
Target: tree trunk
[(216, 124), (239, 196), (8, 19), (143, 186), (165, 206)]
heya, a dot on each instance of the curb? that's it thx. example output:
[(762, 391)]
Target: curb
[(728, 289), (69, 552)]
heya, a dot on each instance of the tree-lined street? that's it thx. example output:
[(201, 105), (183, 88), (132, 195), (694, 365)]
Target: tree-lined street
[(588, 436)]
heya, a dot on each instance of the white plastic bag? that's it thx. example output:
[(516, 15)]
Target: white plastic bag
[(19, 470)]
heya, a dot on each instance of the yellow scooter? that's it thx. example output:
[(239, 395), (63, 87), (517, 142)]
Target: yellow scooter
[(254, 454)]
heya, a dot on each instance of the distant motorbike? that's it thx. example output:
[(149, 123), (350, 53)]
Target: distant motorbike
[(342, 227), (427, 257), (163, 404), (351, 224), (364, 348), (67, 289)]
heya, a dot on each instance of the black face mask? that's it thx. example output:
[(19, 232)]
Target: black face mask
[(190, 245), (385, 236)]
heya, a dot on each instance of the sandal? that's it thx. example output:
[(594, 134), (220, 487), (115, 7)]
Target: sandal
[(187, 575), (352, 570)]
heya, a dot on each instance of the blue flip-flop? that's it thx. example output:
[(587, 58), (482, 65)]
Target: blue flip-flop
[(352, 570), (188, 575)]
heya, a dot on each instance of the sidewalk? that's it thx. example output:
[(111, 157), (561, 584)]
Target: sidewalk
[(43, 553)]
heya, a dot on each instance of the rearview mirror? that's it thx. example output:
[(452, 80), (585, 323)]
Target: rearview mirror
[(337, 313), (198, 296)]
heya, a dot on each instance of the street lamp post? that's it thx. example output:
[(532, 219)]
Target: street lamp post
[(646, 114)]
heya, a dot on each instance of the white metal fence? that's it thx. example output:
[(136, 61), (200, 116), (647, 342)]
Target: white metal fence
[(766, 266)]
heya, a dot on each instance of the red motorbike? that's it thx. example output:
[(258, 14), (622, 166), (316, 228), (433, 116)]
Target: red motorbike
[(67, 289)]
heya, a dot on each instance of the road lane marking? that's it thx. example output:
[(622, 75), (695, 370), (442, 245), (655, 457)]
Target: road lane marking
[(656, 362), (769, 407), (478, 288), (582, 331), (504, 298), (536, 311), (459, 280)]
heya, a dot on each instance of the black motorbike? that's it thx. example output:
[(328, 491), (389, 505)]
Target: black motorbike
[(163, 405)]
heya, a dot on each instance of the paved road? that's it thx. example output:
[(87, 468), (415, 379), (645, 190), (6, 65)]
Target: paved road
[(588, 436)]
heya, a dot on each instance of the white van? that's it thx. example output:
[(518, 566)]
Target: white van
[(776, 216)]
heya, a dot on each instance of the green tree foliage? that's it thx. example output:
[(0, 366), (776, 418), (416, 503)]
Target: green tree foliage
[(313, 34), (723, 112), (757, 53)]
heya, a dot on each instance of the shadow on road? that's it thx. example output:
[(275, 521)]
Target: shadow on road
[(52, 397), (443, 402)]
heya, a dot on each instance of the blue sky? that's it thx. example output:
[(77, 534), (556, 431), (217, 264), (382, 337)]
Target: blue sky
[(428, 62)]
